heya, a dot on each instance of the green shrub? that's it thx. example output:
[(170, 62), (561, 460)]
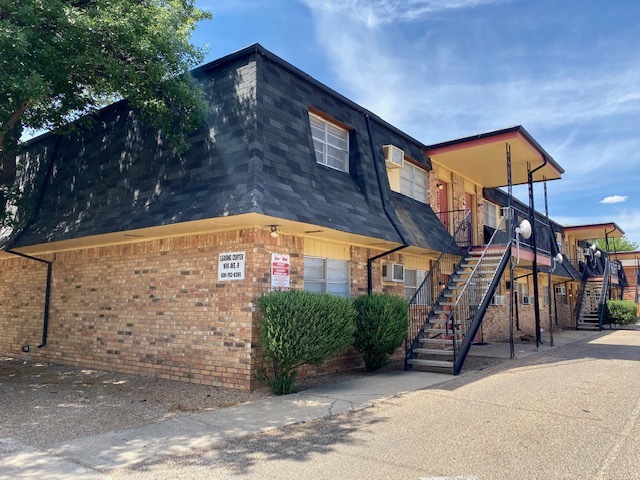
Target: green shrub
[(621, 312), (381, 327), (298, 328)]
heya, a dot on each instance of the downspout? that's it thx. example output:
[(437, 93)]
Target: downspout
[(39, 199), (532, 219), (47, 295), (405, 244)]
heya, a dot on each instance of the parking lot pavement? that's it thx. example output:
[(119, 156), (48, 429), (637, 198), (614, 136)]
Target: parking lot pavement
[(124, 448)]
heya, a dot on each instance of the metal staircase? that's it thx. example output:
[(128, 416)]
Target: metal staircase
[(592, 299), (449, 326)]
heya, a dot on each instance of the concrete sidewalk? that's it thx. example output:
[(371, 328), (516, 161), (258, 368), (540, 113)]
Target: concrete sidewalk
[(92, 457)]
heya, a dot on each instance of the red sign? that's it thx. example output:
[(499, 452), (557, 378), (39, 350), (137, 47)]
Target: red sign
[(280, 268)]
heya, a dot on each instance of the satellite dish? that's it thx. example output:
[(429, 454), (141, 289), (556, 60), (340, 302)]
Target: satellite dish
[(559, 259), (524, 229)]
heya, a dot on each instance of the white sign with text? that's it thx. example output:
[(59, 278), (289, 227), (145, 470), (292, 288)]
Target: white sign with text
[(231, 266)]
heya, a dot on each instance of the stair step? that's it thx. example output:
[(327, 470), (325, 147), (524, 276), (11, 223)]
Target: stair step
[(431, 363), (433, 351), (440, 341), (485, 261)]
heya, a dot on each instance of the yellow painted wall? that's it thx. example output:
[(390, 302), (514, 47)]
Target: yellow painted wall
[(319, 248)]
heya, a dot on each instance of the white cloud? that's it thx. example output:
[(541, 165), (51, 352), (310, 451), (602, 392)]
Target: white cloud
[(375, 13), (424, 87), (614, 199)]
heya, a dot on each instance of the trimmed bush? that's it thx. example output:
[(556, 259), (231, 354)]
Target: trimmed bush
[(297, 328), (381, 327), (621, 312)]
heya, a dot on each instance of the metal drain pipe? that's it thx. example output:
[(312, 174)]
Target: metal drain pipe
[(47, 295)]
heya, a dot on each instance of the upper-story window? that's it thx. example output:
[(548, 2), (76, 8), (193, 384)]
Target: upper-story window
[(331, 143), (414, 182), (490, 211)]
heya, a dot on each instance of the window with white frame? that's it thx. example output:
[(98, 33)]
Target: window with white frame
[(523, 292), (414, 182), (331, 143), (326, 275), (490, 214), (412, 280)]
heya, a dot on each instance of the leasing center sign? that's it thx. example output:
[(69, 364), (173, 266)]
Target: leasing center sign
[(231, 266)]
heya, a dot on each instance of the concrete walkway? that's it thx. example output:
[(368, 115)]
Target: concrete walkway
[(93, 457)]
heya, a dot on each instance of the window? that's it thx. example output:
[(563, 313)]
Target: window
[(490, 214), (331, 144), (414, 182), (326, 275), (523, 293), (412, 280)]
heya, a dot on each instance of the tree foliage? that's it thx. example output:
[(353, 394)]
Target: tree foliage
[(62, 59), (620, 244)]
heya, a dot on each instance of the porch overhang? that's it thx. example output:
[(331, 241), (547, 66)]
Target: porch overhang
[(594, 231), (482, 158)]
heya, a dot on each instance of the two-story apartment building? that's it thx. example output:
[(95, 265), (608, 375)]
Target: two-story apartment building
[(128, 256)]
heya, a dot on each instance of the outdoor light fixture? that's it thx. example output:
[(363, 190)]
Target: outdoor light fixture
[(439, 186), (274, 231)]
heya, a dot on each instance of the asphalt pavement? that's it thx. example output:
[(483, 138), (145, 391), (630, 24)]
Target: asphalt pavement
[(477, 425)]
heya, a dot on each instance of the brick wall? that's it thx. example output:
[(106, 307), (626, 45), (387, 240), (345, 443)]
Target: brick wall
[(152, 308), (156, 308)]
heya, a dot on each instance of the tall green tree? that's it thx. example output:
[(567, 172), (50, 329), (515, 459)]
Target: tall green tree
[(620, 244), (63, 59)]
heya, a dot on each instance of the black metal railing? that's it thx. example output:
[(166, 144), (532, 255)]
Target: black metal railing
[(430, 290), (606, 280), (544, 234), (472, 295), (580, 299), (456, 218)]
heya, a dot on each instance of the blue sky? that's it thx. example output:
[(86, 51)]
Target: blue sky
[(568, 71)]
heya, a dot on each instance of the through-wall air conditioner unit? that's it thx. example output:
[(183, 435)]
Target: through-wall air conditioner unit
[(561, 291), (527, 300), (393, 272), (499, 300), (393, 156)]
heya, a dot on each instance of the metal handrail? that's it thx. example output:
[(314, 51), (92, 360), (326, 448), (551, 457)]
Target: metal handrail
[(603, 292), (580, 299), (466, 285), (416, 328)]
